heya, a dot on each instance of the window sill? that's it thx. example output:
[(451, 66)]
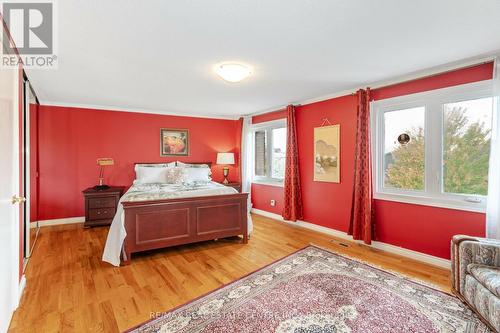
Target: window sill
[(432, 202), (268, 183)]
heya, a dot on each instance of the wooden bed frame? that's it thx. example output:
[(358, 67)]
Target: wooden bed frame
[(162, 223)]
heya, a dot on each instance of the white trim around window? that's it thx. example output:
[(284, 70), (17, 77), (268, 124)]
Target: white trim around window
[(268, 126), (433, 101)]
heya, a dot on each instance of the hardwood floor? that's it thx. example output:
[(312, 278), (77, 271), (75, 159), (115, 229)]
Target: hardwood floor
[(69, 288)]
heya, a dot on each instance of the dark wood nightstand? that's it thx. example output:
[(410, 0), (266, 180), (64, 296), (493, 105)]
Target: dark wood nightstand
[(236, 186), (101, 205)]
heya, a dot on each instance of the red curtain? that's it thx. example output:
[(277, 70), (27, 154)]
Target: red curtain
[(292, 210), (361, 224), (239, 140)]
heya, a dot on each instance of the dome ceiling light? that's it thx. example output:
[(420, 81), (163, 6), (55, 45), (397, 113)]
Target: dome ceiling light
[(232, 71)]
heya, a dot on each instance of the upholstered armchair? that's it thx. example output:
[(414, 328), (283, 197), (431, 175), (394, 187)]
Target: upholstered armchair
[(475, 264)]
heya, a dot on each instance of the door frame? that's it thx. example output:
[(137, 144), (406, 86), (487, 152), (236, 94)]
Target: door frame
[(17, 279), (28, 246), (26, 151), (13, 258)]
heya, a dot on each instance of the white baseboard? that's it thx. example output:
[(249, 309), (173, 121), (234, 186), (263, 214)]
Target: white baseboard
[(22, 285), (68, 220), (432, 260)]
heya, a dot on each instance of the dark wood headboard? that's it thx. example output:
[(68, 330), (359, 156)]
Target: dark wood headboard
[(208, 163)]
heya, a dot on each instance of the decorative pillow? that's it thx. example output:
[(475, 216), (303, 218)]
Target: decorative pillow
[(148, 175), (175, 175), (196, 175)]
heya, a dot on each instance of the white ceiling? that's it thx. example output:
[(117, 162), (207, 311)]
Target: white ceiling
[(158, 55)]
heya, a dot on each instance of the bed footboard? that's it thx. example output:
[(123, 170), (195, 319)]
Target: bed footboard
[(163, 223)]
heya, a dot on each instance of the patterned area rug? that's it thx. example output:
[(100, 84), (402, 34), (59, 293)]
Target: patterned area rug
[(314, 290)]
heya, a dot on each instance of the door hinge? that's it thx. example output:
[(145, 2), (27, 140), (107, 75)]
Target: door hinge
[(17, 199)]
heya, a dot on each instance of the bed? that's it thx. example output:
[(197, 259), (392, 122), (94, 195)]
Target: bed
[(157, 215)]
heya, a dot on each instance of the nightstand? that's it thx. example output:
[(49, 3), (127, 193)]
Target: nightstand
[(236, 186), (101, 205)]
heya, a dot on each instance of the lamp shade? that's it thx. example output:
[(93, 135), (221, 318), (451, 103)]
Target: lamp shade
[(225, 158), (105, 161)]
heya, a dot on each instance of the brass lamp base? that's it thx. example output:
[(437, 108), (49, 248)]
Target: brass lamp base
[(225, 173), (101, 185)]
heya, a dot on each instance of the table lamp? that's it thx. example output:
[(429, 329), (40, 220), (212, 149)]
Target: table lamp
[(225, 159), (102, 162)]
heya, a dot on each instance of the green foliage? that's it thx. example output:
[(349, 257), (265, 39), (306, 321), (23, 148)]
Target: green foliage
[(466, 154), (465, 157), (407, 169)]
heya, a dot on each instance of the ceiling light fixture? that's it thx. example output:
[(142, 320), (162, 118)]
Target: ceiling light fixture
[(232, 71)]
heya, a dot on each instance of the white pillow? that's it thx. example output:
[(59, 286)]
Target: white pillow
[(192, 165), (154, 165), (196, 175), (148, 175)]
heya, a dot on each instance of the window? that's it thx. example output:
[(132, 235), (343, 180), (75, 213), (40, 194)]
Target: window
[(433, 148), (404, 165), (466, 146), (278, 153), (260, 153), (269, 150)]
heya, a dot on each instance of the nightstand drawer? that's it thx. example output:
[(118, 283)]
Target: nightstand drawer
[(101, 213), (102, 203)]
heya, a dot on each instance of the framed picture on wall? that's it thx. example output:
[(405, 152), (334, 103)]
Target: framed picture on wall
[(174, 142), (327, 154)]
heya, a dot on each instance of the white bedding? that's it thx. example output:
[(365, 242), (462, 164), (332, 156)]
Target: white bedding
[(143, 192)]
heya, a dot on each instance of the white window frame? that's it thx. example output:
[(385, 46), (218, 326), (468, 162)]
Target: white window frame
[(433, 101), (268, 126)]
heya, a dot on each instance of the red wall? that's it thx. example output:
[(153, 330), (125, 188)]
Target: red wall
[(327, 204), (262, 196), (71, 139), (423, 228), (261, 118), (415, 227), (443, 80)]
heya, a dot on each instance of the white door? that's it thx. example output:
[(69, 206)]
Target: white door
[(9, 187)]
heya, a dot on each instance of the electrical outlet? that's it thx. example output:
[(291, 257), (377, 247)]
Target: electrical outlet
[(273, 203)]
